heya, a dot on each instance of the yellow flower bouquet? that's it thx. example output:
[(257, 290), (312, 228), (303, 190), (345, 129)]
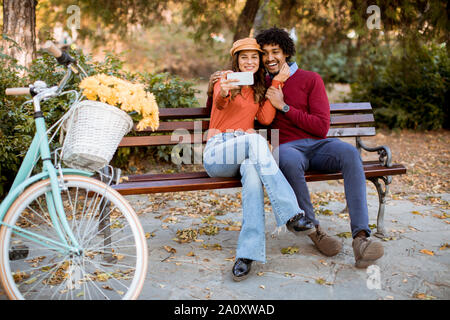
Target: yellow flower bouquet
[(129, 97)]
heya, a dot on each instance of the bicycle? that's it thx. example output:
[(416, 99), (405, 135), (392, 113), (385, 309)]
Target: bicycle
[(64, 234)]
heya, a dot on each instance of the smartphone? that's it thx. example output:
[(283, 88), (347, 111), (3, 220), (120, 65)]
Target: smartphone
[(245, 78)]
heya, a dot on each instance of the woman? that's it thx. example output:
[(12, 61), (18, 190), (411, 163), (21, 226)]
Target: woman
[(233, 149)]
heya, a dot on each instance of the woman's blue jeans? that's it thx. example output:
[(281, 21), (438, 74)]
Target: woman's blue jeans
[(233, 153), (328, 155)]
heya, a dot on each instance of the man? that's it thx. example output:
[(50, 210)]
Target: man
[(303, 121)]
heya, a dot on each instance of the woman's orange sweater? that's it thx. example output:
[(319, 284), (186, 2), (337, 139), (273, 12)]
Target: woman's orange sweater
[(229, 115)]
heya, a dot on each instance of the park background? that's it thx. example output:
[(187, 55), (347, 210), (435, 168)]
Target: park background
[(393, 54)]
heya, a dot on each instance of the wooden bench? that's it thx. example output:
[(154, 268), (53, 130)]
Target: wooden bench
[(347, 120)]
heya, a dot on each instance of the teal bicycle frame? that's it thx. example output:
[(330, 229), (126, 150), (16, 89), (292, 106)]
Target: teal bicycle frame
[(40, 147)]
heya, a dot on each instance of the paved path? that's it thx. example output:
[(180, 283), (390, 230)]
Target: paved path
[(405, 272), (197, 271)]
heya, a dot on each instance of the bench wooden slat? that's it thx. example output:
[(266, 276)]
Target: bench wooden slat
[(159, 140), (204, 124), (145, 187), (350, 107), (184, 113), (188, 113), (351, 132), (174, 113), (165, 176), (174, 125), (200, 181), (191, 138), (351, 119)]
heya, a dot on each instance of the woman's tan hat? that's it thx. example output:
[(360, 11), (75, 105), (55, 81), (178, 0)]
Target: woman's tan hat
[(245, 44)]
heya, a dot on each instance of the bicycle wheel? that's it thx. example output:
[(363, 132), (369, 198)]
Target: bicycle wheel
[(113, 261)]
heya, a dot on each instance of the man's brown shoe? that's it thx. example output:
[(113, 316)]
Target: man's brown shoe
[(366, 251), (329, 246)]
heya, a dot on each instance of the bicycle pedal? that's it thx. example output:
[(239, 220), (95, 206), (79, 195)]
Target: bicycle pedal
[(18, 252)]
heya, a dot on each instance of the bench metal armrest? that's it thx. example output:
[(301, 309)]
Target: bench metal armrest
[(383, 151)]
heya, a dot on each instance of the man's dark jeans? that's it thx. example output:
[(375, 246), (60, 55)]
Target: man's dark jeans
[(327, 155)]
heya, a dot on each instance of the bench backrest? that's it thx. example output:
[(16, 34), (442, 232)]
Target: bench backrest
[(347, 120)]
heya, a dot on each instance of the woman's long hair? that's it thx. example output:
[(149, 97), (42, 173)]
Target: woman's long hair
[(259, 82)]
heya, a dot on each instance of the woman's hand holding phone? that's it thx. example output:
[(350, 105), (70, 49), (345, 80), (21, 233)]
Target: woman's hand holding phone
[(227, 84)]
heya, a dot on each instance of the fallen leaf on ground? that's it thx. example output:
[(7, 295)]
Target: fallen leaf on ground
[(171, 220), (345, 234), (325, 212), (431, 253), (289, 250), (443, 216), (288, 274), (214, 246), (209, 230), (323, 262), (170, 249), (186, 235), (423, 296), (320, 281), (233, 228)]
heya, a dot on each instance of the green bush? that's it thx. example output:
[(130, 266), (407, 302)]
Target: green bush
[(408, 90), (333, 64), (17, 123)]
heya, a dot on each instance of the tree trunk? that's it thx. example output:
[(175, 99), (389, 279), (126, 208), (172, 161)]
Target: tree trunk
[(246, 19), (286, 8), (19, 24), (259, 23)]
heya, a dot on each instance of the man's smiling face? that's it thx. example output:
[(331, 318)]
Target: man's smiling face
[(273, 58)]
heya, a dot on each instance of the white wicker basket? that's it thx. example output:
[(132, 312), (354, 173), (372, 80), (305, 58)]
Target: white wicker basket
[(94, 132)]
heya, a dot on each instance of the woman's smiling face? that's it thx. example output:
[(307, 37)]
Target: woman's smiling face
[(248, 61)]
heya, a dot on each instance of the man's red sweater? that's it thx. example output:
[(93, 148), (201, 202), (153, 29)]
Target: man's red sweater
[(309, 114)]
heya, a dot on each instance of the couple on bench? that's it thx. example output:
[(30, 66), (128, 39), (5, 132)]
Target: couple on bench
[(295, 102)]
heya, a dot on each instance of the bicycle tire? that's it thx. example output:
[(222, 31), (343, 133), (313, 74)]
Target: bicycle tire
[(103, 229)]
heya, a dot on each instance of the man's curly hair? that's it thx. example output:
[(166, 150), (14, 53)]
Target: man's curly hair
[(277, 36)]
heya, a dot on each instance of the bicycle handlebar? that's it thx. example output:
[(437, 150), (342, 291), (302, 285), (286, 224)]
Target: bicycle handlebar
[(17, 91), (62, 57), (51, 48)]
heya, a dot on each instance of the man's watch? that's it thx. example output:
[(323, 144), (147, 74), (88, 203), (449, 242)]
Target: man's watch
[(285, 108)]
